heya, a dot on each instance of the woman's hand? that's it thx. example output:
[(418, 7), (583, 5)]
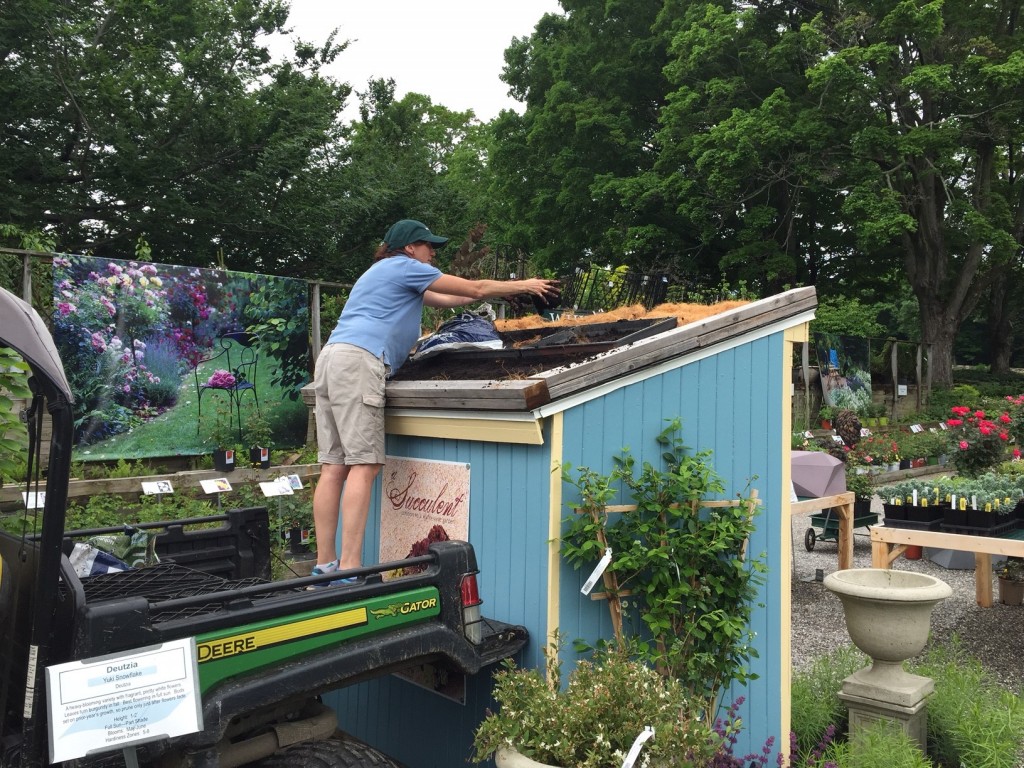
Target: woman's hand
[(539, 286)]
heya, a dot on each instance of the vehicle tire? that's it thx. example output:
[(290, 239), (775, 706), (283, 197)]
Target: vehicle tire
[(809, 539), (345, 752)]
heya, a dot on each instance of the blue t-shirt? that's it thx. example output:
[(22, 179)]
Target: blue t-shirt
[(384, 309)]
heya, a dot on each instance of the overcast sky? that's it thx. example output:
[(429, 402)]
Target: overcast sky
[(450, 50)]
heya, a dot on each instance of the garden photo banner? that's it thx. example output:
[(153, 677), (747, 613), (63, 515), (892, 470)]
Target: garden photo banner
[(845, 370), (132, 335)]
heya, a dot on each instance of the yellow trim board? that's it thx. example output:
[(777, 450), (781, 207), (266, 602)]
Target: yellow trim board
[(555, 526), (796, 334), (485, 430)]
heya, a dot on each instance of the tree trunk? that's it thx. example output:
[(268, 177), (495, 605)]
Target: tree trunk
[(1000, 326), (938, 332)]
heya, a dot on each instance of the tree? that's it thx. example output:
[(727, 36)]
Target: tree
[(930, 96), (593, 88), (169, 121)]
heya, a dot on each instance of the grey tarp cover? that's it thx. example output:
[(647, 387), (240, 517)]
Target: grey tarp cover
[(817, 474), (24, 331)]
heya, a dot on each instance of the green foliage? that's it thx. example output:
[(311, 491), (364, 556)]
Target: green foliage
[(972, 720), (847, 317), (279, 316), (815, 703), (683, 560), (219, 137), (879, 743), (593, 721), (13, 433)]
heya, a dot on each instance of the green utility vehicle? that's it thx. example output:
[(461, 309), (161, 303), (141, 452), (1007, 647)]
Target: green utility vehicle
[(201, 659)]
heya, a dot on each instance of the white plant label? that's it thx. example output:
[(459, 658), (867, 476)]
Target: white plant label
[(157, 488), (638, 744), (603, 563)]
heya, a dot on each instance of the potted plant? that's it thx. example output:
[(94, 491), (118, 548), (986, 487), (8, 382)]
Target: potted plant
[(1011, 581), (860, 485), (594, 721), (825, 414), (258, 437), (224, 436)]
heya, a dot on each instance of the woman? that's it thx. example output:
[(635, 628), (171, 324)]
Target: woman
[(378, 327)]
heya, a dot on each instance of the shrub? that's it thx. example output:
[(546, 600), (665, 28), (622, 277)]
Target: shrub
[(971, 719), (977, 441), (592, 722), (815, 697)]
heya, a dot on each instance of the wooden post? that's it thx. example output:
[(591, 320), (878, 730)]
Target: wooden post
[(895, 377), (314, 319), (805, 363), (983, 579), (26, 277), (920, 350)]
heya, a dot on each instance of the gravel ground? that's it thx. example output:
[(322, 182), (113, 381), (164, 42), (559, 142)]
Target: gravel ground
[(993, 635)]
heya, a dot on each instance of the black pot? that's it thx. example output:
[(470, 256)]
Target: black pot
[(861, 507), (895, 511), (259, 457), (955, 518), (224, 460), (919, 514), (904, 463), (979, 518)]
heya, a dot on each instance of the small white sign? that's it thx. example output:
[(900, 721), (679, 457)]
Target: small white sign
[(638, 743), (901, 390), (916, 428), (837, 439), (217, 485), (865, 432), (157, 487), (294, 481), (808, 434), (943, 425), (33, 500), (99, 705), (602, 564), (279, 487)]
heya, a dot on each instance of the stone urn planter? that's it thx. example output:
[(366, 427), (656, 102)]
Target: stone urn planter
[(888, 615)]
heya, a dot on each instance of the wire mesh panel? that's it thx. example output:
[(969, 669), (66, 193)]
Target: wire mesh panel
[(590, 289)]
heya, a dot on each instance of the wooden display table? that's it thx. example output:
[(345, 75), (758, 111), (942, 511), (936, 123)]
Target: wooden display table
[(842, 503), (889, 543)]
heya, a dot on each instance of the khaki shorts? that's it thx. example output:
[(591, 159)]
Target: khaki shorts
[(349, 386)]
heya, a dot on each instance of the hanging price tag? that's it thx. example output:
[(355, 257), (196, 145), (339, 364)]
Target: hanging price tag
[(638, 744), (601, 565)]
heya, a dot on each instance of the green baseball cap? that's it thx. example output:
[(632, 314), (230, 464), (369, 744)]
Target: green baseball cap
[(410, 231)]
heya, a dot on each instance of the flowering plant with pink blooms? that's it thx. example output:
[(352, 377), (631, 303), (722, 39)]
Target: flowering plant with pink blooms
[(221, 379), (978, 442)]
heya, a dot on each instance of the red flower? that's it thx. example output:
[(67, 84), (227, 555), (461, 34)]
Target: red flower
[(964, 445), (954, 422)]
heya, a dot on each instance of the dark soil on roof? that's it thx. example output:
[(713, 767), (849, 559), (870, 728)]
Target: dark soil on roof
[(489, 365)]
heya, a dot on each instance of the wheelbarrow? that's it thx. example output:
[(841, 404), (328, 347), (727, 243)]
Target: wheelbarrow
[(828, 521)]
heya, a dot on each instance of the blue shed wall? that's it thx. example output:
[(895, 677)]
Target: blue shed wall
[(508, 527), (730, 402)]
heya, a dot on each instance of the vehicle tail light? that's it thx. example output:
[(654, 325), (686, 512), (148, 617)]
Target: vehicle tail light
[(471, 602)]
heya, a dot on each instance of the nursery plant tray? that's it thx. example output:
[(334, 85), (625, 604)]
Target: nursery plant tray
[(923, 525), (1002, 529)]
